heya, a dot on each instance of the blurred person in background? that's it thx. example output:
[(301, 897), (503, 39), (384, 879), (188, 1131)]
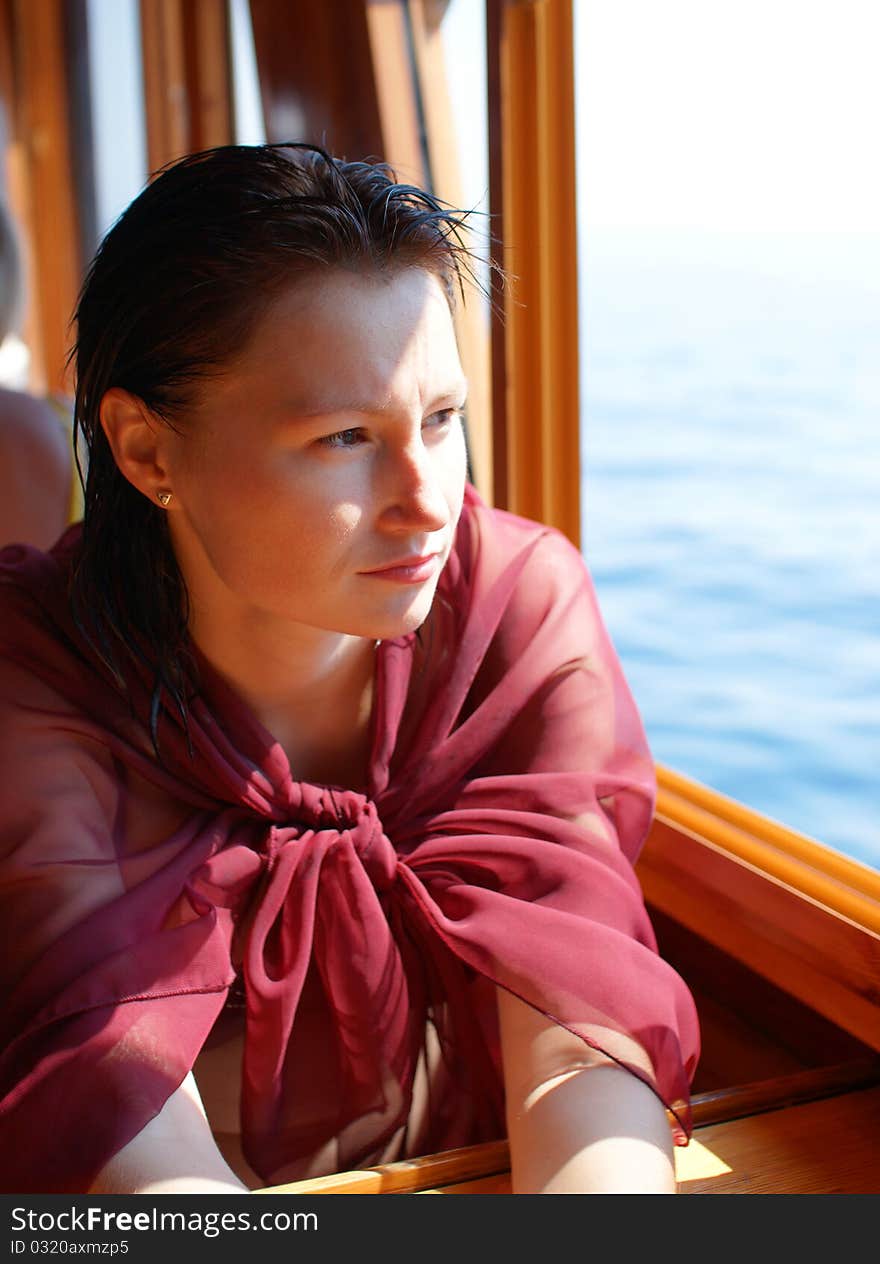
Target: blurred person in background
[(37, 474)]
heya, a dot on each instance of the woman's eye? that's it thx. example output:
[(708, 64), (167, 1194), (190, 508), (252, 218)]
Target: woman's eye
[(446, 415), (340, 438), (349, 438), (444, 418)]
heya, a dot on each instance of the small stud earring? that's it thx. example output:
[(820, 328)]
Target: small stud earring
[(163, 497)]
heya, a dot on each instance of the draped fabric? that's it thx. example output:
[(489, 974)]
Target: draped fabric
[(510, 786)]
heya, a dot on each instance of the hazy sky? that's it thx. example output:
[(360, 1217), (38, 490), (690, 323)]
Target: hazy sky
[(742, 114)]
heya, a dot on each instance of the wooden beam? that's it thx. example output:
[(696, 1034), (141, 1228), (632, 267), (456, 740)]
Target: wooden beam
[(828, 959), (165, 87), (485, 1168), (380, 92), (16, 193), (472, 317), (740, 1100), (317, 79), (45, 181), (831, 878), (397, 92), (750, 1029), (408, 1175), (827, 1146), (535, 334), (187, 77), (209, 73)]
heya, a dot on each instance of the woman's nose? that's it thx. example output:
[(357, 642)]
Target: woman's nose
[(417, 494)]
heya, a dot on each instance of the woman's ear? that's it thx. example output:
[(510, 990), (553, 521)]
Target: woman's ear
[(138, 441)]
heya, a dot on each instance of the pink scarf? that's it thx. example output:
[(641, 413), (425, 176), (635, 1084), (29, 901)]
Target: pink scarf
[(510, 789)]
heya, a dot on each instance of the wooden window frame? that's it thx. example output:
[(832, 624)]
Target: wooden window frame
[(187, 77), (444, 173), (788, 907), (535, 347), (35, 83), (792, 909)]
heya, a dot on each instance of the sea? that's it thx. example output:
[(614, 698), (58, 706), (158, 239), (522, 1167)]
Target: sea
[(730, 407)]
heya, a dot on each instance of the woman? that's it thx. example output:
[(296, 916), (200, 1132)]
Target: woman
[(321, 780)]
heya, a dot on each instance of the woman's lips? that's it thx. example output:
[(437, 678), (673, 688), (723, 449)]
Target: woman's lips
[(414, 574)]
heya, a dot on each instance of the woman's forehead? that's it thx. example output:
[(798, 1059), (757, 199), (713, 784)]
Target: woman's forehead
[(343, 341), (352, 297)]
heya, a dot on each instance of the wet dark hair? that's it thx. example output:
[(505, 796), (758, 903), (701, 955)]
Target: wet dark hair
[(174, 291)]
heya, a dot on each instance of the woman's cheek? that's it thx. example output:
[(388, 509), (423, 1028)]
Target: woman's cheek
[(344, 519)]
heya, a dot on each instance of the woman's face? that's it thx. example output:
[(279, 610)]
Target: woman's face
[(332, 446)]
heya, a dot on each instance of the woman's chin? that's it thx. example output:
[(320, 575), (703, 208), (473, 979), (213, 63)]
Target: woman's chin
[(402, 622)]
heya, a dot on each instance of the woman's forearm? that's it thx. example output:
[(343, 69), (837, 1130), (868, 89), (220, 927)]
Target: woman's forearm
[(577, 1122), (592, 1131), (175, 1153)]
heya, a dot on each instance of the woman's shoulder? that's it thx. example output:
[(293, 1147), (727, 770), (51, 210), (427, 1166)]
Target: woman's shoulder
[(501, 522), (37, 426), (511, 580), (36, 462), (40, 648), (32, 577), (526, 558)]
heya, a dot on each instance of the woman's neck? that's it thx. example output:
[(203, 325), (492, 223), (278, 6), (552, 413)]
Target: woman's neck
[(311, 688)]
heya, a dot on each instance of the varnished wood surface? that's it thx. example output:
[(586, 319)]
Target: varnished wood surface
[(445, 164), (821, 871), (187, 77), (40, 127), (823, 1147), (317, 75), (785, 1090), (535, 351), (750, 1029), (827, 1146), (822, 957), (409, 1175), (826, 877)]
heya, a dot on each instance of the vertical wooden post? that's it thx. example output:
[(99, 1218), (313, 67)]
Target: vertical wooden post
[(398, 94), (187, 77), (365, 78), (165, 89), (209, 73), (44, 181), (317, 77), (471, 322), (535, 334)]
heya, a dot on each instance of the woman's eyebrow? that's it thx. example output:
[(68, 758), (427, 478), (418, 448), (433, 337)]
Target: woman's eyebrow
[(303, 408)]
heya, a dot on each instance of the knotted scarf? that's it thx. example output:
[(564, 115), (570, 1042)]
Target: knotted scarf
[(510, 787)]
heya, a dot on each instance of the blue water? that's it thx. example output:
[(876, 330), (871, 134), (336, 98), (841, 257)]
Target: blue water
[(731, 510)]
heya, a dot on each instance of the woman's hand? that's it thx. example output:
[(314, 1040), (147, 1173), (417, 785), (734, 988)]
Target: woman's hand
[(174, 1154), (577, 1122)]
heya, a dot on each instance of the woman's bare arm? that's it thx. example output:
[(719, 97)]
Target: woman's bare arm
[(174, 1154), (577, 1122)]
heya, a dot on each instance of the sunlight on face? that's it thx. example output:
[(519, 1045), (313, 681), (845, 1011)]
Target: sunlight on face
[(332, 446)]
